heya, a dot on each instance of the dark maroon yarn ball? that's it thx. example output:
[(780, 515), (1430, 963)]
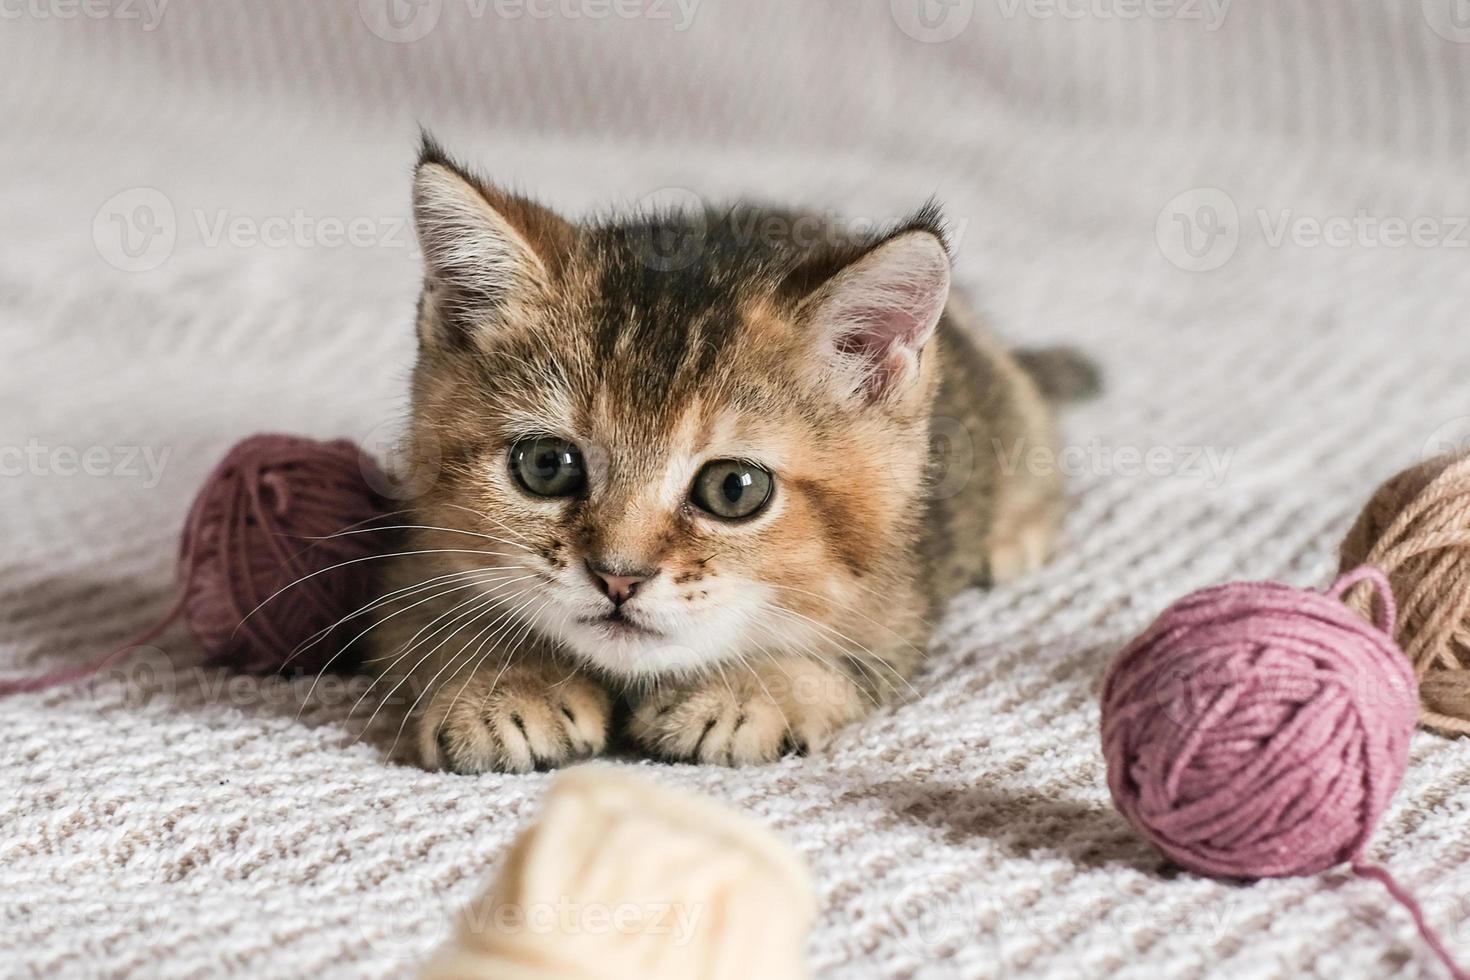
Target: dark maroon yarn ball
[(278, 548)]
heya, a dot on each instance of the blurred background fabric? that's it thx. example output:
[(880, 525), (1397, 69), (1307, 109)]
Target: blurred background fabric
[(1252, 213)]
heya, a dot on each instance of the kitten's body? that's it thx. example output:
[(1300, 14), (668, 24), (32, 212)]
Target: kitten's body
[(658, 346)]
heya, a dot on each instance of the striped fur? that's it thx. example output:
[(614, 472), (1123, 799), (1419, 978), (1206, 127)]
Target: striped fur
[(656, 343)]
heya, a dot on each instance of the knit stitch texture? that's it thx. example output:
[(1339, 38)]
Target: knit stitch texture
[(205, 236)]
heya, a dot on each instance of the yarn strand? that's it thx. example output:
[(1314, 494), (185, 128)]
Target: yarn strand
[(70, 675), (242, 547), (1404, 897)]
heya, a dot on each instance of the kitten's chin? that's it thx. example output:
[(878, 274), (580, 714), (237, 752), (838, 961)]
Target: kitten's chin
[(648, 639), (629, 652)]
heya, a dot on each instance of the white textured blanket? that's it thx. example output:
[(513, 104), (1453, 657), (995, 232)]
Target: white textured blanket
[(1252, 213)]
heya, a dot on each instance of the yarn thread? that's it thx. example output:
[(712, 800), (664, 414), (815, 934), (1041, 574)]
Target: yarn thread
[(1258, 730), (273, 555), (1417, 529)]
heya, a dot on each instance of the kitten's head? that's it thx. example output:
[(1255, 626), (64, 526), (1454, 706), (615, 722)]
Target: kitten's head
[(679, 462)]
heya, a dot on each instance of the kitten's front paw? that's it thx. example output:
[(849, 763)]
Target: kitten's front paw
[(746, 717), (526, 719)]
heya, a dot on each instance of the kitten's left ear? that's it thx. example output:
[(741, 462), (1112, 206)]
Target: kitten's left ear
[(873, 318), (482, 246)]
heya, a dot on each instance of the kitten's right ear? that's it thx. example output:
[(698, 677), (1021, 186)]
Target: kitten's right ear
[(482, 247)]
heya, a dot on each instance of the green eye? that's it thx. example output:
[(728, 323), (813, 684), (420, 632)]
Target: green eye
[(548, 467), (731, 489)]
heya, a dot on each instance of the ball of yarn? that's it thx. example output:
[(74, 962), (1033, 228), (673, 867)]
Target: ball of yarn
[(1416, 528), (1257, 729), (274, 551)]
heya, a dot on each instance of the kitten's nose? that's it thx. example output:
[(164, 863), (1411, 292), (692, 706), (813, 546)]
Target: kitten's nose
[(618, 588)]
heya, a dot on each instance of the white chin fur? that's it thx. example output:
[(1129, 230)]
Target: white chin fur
[(695, 641), (638, 656)]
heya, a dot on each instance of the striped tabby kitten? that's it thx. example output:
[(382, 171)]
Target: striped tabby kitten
[(719, 473)]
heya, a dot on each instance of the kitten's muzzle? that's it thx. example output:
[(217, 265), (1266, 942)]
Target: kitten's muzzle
[(619, 586)]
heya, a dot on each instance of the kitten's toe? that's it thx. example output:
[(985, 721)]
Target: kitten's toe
[(519, 723), (583, 708), (714, 725)]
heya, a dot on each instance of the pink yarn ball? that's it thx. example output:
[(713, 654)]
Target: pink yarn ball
[(276, 551), (1257, 730)]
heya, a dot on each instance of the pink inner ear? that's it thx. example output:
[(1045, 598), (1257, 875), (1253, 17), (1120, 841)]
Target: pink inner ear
[(889, 335), (885, 340)]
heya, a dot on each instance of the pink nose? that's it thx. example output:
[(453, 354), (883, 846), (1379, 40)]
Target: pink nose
[(618, 588)]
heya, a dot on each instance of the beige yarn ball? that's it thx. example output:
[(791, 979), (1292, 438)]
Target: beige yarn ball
[(621, 879), (1416, 530)]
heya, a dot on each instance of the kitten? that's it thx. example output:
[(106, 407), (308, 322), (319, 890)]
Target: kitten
[(725, 475)]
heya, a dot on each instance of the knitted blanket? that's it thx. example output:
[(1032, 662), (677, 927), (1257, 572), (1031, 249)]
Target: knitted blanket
[(1253, 214)]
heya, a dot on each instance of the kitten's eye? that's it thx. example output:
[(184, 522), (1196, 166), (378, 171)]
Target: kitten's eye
[(731, 489), (548, 467)]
